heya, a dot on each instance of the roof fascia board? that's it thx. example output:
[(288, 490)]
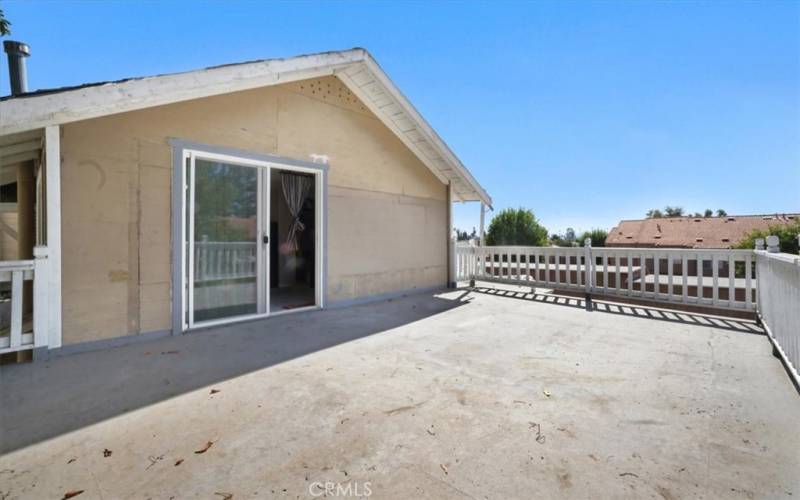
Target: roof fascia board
[(35, 112), (425, 128), (355, 89), (28, 113)]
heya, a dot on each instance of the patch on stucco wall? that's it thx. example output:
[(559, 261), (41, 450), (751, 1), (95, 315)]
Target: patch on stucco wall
[(118, 275)]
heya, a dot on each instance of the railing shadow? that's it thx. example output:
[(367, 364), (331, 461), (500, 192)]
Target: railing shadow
[(45, 399), (633, 310)]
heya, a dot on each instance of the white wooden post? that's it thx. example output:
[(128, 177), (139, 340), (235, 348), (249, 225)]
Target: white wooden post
[(759, 243), (748, 276), (731, 280), (41, 282), (773, 244), (481, 234), (587, 252), (685, 278), (451, 274), (699, 278), (715, 279), (669, 277), (53, 179), (16, 308)]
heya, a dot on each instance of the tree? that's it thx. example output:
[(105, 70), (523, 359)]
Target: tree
[(463, 235), (598, 237), (516, 227), (225, 194), (5, 26), (673, 211), (676, 211), (787, 236), (569, 235)]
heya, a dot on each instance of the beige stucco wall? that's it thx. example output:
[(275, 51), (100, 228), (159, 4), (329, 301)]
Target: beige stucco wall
[(387, 214)]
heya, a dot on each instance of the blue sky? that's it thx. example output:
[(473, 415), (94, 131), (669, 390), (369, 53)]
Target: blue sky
[(584, 112)]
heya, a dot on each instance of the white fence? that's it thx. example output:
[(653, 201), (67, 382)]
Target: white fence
[(779, 303), (224, 261), (715, 278), (16, 334)]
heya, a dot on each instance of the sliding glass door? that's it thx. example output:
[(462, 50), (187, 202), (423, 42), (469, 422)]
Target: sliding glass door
[(227, 269), (233, 269)]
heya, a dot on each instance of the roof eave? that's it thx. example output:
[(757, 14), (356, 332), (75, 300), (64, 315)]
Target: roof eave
[(37, 111), (82, 103)]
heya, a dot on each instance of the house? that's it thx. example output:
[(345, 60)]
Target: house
[(163, 204), (692, 232)]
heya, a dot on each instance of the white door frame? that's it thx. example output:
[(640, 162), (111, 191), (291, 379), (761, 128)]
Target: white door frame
[(185, 154)]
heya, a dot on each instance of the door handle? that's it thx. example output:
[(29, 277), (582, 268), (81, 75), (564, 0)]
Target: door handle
[(265, 239)]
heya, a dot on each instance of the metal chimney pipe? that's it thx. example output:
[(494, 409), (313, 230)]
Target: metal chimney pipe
[(17, 71)]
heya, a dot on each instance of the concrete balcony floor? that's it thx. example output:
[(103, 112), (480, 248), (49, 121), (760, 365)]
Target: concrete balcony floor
[(455, 394)]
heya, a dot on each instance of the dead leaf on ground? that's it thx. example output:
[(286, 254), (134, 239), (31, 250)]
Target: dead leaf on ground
[(170, 352), (204, 448), (178, 462), (106, 452), (444, 468), (71, 460), (71, 494), (214, 391), (546, 393), (225, 496)]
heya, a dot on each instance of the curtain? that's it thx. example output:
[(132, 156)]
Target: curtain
[(295, 192)]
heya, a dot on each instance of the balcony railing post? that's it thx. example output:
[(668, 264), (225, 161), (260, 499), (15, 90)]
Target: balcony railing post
[(41, 315), (589, 269), (759, 243), (773, 244), (452, 278), (472, 264)]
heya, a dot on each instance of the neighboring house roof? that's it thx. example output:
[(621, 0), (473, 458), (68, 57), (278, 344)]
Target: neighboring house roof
[(692, 232), (355, 67)]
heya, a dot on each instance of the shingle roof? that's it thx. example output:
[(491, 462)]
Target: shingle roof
[(692, 232)]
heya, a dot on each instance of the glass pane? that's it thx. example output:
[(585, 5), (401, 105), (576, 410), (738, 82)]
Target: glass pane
[(225, 239)]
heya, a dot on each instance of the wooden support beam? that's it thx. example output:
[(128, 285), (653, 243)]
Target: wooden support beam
[(482, 234), (451, 240), (53, 217)]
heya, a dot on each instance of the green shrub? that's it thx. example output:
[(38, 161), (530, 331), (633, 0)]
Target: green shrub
[(786, 233), (516, 227), (598, 237)]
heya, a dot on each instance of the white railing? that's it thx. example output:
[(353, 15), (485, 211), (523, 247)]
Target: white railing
[(13, 334), (779, 304), (714, 278), (224, 261)]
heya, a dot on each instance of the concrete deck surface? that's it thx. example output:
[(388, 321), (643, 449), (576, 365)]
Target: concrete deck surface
[(458, 394)]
